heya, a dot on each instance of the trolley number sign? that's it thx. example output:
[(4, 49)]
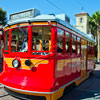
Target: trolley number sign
[(24, 14)]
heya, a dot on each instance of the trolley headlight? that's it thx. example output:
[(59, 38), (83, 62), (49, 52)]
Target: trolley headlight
[(16, 63)]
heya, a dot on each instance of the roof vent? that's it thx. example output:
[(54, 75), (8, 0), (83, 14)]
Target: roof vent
[(63, 17)]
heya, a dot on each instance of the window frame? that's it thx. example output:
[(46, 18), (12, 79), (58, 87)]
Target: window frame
[(75, 44), (10, 33), (69, 38), (79, 46), (19, 30), (63, 38), (31, 38), (4, 41)]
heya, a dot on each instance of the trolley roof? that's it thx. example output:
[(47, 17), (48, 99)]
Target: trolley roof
[(41, 18)]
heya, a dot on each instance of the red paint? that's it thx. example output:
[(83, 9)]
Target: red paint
[(45, 77)]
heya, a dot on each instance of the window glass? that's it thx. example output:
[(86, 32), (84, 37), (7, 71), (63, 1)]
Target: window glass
[(74, 37), (60, 43), (68, 45), (19, 40), (6, 40), (60, 32), (73, 43), (68, 34), (78, 45), (78, 39), (41, 38)]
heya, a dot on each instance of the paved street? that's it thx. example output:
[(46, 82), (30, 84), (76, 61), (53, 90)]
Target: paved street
[(88, 90)]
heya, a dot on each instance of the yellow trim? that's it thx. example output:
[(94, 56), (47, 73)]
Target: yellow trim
[(34, 23), (92, 58), (35, 94), (40, 45), (13, 26), (57, 95), (80, 80), (35, 62), (43, 23), (49, 45), (54, 96), (63, 62)]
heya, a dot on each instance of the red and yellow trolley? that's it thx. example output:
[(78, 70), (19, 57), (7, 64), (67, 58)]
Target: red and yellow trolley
[(43, 54)]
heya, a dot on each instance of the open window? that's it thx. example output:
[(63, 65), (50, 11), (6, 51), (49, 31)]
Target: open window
[(19, 40), (68, 42), (41, 38)]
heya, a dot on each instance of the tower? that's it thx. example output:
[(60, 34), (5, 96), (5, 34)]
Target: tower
[(82, 22)]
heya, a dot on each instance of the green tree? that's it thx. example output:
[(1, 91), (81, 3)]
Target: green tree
[(3, 18), (94, 24)]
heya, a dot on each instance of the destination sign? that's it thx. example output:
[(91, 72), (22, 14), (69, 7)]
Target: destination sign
[(24, 14)]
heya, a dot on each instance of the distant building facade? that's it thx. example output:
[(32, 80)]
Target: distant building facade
[(82, 22)]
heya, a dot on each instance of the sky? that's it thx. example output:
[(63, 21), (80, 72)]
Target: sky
[(69, 7)]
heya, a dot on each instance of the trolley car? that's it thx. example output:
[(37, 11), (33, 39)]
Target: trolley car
[(44, 54)]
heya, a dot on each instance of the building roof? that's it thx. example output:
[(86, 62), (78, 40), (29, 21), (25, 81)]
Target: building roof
[(81, 14)]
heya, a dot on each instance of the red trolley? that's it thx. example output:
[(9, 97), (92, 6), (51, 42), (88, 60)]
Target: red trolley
[(44, 54)]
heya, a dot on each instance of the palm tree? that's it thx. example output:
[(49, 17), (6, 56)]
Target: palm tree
[(92, 26), (94, 23), (3, 18)]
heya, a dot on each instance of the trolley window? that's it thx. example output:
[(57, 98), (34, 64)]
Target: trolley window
[(7, 40), (19, 40), (73, 44), (41, 38), (68, 42), (78, 45), (60, 35)]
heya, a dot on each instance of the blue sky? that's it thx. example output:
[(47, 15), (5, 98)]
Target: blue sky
[(70, 7)]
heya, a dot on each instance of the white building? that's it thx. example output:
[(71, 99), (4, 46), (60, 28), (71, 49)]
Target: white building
[(82, 22)]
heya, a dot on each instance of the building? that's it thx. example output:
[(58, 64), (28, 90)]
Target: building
[(82, 22)]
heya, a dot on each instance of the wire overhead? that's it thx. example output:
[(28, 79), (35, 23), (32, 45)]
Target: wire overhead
[(58, 8), (55, 6)]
